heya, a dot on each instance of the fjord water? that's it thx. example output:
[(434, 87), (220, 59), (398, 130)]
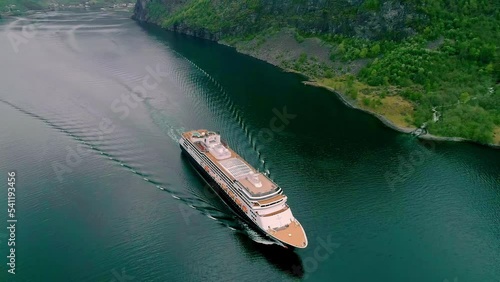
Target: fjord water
[(103, 193)]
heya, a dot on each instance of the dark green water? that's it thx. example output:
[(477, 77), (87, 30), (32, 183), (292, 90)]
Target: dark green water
[(89, 170)]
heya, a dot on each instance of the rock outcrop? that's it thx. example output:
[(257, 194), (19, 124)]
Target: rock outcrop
[(378, 20)]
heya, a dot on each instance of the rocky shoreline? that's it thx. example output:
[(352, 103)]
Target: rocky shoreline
[(350, 104), (388, 123)]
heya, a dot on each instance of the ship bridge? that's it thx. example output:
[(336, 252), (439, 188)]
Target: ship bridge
[(210, 141)]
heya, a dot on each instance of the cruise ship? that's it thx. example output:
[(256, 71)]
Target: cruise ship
[(252, 195)]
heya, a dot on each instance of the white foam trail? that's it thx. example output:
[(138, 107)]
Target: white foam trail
[(175, 133), (256, 237)]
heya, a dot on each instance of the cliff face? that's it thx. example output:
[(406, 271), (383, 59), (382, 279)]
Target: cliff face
[(144, 9), (370, 19), (140, 12)]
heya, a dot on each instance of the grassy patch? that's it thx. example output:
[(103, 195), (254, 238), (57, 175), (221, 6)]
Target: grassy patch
[(496, 135), (383, 101)]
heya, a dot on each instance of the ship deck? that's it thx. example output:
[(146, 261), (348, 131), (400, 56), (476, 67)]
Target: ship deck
[(267, 185), (293, 235)]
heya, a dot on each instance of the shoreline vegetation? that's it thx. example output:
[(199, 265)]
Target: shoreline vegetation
[(394, 122), (391, 124), (412, 64)]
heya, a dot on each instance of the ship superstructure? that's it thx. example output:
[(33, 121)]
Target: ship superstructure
[(251, 194)]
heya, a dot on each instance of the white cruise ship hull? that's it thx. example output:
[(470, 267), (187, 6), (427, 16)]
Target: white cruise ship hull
[(291, 235)]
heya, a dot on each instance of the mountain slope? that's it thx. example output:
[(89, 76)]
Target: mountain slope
[(431, 63)]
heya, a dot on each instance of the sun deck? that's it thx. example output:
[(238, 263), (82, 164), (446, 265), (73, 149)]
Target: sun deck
[(256, 184)]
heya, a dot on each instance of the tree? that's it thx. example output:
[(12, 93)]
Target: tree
[(375, 50), (464, 97), (363, 53)]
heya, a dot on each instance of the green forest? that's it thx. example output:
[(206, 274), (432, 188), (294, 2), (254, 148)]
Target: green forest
[(441, 56), (459, 77)]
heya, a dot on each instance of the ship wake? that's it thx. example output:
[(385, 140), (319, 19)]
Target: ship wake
[(256, 236)]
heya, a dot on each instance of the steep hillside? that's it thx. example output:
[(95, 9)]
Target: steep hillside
[(431, 63), (218, 19)]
